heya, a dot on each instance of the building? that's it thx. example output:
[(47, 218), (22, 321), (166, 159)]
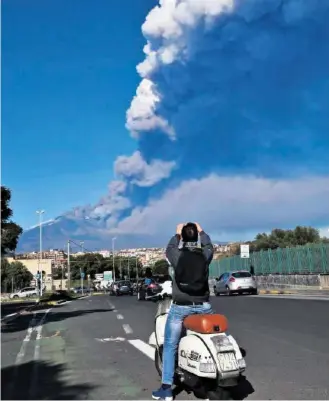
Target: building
[(33, 266)]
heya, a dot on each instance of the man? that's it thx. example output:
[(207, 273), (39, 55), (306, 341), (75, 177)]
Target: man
[(190, 293)]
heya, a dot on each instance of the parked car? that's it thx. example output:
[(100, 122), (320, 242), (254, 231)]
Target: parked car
[(150, 291), (235, 282), (24, 293), (78, 290), (122, 287)]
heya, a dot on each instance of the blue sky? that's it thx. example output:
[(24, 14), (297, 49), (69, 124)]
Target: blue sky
[(224, 122), (68, 76)]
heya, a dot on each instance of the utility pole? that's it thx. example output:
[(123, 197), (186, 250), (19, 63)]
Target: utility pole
[(128, 267), (62, 276), (113, 239), (120, 262), (81, 245), (68, 266), (40, 213), (81, 279), (137, 276)]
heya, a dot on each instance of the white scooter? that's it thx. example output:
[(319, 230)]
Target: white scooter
[(209, 361)]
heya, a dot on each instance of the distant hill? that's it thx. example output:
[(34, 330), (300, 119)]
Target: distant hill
[(92, 231)]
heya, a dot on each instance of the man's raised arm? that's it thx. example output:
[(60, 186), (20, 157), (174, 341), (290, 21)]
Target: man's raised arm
[(207, 247), (172, 251)]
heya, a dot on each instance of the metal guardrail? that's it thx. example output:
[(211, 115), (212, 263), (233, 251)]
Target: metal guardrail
[(312, 259)]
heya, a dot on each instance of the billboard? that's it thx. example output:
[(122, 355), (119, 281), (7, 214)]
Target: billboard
[(108, 275)]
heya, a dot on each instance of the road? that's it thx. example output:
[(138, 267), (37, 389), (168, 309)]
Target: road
[(94, 348), (8, 308)]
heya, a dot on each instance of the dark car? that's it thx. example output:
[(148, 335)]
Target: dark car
[(148, 291), (79, 290), (122, 287)]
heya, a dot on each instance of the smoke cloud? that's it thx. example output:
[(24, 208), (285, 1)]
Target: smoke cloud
[(230, 117)]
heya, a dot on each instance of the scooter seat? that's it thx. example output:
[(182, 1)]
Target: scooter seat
[(206, 324)]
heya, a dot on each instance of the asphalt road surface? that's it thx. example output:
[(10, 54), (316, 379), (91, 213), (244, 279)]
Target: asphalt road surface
[(96, 348), (8, 308)]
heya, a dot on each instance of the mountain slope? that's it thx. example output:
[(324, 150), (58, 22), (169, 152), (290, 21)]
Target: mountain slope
[(92, 232)]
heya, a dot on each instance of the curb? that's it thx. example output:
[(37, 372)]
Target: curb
[(13, 316), (275, 292), (10, 317)]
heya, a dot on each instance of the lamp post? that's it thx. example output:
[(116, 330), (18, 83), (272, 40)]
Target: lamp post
[(113, 239), (40, 213), (68, 267)]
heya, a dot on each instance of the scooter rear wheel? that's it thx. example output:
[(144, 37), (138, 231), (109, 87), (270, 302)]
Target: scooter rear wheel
[(220, 393)]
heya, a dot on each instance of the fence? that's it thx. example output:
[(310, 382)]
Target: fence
[(312, 259)]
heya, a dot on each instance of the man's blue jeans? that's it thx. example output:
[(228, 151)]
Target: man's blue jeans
[(173, 331)]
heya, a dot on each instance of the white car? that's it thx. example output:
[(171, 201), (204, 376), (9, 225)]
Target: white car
[(237, 282), (24, 293), (166, 288)]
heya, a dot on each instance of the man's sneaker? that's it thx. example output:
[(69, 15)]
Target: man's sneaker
[(163, 394)]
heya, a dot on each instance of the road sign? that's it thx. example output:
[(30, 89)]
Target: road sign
[(244, 251), (99, 276), (82, 275), (108, 275)]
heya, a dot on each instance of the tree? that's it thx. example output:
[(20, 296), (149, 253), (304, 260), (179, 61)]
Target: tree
[(160, 267), (92, 263), (14, 274), (279, 238), (10, 231)]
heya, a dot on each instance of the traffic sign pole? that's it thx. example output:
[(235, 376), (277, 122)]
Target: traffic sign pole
[(82, 275), (244, 251)]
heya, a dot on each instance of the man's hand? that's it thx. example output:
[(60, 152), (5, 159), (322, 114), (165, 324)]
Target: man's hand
[(198, 227), (179, 229)]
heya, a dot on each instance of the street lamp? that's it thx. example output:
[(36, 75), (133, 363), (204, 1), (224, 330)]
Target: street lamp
[(40, 213), (113, 239)]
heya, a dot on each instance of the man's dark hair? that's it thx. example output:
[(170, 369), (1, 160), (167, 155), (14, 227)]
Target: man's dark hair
[(190, 233)]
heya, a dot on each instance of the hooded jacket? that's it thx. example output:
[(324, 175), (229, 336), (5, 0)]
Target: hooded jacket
[(173, 253)]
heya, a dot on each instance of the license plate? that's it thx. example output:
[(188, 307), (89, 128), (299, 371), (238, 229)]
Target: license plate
[(227, 361)]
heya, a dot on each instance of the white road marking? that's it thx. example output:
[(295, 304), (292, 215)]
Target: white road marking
[(115, 310), (146, 349), (111, 305), (127, 328), (27, 338), (114, 339), (120, 317), (34, 378), (20, 355)]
